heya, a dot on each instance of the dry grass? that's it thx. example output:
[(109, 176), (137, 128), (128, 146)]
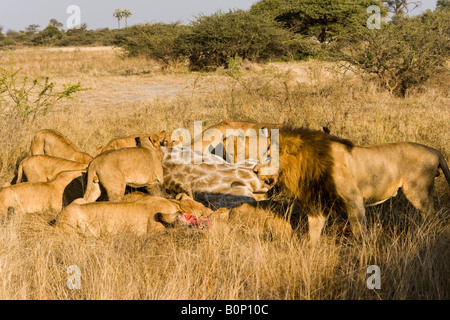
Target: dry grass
[(229, 261)]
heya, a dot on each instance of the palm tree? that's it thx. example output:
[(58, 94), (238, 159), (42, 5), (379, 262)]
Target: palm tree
[(126, 13), (118, 14)]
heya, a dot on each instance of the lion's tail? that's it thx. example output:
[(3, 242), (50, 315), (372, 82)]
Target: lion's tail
[(92, 185), (444, 167)]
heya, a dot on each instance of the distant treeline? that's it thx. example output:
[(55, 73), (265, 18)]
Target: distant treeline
[(402, 52), (55, 36)]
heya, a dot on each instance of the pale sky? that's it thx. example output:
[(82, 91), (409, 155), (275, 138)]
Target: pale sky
[(18, 14)]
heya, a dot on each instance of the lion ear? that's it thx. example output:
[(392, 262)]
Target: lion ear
[(154, 139), (226, 121), (162, 135)]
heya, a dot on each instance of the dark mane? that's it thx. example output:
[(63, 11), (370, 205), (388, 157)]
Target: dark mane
[(307, 134), (306, 165)]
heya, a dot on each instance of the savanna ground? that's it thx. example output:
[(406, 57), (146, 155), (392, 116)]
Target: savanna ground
[(229, 261)]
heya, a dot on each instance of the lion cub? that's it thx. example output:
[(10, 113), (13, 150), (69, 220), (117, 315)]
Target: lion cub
[(115, 169)]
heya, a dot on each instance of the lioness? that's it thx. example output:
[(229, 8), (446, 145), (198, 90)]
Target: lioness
[(30, 197), (166, 140), (149, 214), (53, 143), (110, 217), (315, 166), (130, 141), (261, 219), (44, 168), (127, 142), (115, 169)]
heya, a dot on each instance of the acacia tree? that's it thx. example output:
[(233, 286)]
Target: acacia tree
[(32, 28), (322, 19), (400, 8), (442, 5), (55, 23)]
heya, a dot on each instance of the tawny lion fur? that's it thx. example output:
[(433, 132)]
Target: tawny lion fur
[(165, 139), (260, 220), (110, 217), (30, 197), (314, 166), (149, 214), (127, 142), (53, 143), (115, 169), (42, 168)]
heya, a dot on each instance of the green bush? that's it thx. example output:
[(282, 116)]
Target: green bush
[(24, 100), (213, 39), (83, 37), (156, 41), (402, 55), (48, 36)]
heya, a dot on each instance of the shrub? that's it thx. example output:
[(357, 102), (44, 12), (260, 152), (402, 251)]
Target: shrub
[(156, 41), (402, 55), (48, 36), (24, 100), (213, 39)]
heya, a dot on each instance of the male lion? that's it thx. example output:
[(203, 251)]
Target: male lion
[(318, 167), (30, 197), (247, 140), (115, 169), (44, 168), (53, 143)]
